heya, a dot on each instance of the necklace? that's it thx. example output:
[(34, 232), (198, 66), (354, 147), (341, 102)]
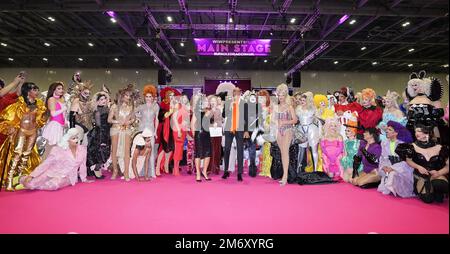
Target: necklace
[(425, 144)]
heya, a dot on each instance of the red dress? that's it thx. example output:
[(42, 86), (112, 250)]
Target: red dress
[(369, 118), (179, 141)]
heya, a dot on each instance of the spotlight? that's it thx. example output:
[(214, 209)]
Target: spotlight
[(80, 59), (293, 20), (4, 44), (374, 63), (406, 24), (44, 59), (51, 19), (169, 18), (363, 48), (265, 60), (230, 20), (138, 45), (91, 44), (227, 61), (11, 59), (410, 65), (190, 60), (353, 21), (116, 59), (113, 20), (46, 44), (445, 65), (336, 62), (411, 50), (182, 44)]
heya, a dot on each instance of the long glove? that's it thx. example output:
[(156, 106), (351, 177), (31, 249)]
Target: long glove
[(371, 158), (356, 163), (72, 119)]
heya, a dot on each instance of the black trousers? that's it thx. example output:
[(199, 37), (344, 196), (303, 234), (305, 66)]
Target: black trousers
[(239, 135)]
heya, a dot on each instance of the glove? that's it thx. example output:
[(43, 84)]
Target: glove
[(356, 163), (371, 158), (72, 119)]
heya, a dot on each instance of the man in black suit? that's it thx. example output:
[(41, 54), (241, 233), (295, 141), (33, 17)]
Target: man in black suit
[(236, 126)]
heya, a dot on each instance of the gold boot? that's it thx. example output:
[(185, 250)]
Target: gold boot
[(9, 185)]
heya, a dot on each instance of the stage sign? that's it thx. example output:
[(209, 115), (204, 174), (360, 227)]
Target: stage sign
[(217, 47)]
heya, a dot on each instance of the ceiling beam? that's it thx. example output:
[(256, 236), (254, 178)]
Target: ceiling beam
[(257, 7), (162, 35)]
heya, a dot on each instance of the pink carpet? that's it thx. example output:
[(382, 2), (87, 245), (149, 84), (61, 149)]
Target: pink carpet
[(182, 206)]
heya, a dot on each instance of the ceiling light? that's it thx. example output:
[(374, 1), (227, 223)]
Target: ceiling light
[(226, 73), (190, 60), (406, 24), (116, 59), (138, 45), (374, 63), (265, 60), (47, 44), (154, 60), (11, 59), (293, 20), (80, 59), (271, 34), (113, 20), (51, 19), (353, 21), (91, 44), (169, 18), (228, 60), (3, 44), (230, 20), (45, 59), (182, 44), (410, 65), (336, 62), (445, 65), (363, 48), (411, 50)]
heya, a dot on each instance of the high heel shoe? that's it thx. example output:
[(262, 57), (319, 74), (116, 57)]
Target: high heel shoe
[(206, 178), (198, 180)]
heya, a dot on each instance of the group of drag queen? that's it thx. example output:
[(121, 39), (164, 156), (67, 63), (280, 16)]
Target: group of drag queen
[(56, 138)]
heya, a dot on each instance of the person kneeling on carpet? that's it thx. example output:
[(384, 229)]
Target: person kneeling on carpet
[(368, 154), (62, 167), (396, 175)]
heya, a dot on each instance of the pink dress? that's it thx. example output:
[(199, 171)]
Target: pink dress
[(59, 170), (54, 129), (332, 151)]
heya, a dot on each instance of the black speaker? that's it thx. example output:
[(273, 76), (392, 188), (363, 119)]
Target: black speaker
[(162, 77), (288, 80), (296, 79)]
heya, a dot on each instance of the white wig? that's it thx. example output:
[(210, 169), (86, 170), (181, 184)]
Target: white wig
[(64, 142)]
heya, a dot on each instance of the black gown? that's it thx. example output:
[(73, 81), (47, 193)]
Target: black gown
[(99, 139), (433, 190)]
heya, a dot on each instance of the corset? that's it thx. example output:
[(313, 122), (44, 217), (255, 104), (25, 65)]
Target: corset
[(305, 117), (60, 117)]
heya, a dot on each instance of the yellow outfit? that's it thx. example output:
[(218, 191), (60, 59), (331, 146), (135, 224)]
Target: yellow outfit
[(327, 113), (309, 163), (22, 156)]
